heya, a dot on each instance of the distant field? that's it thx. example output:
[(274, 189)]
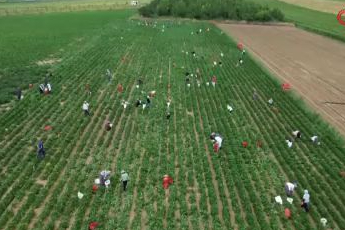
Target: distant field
[(328, 6), (320, 22), (25, 40), (34, 7)]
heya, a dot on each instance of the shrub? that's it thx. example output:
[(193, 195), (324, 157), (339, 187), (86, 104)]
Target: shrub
[(204, 9)]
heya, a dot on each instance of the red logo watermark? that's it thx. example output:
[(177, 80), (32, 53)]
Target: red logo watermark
[(341, 13)]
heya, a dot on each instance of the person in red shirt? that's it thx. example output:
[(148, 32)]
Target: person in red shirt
[(244, 144), (94, 188), (93, 225), (119, 88), (167, 181), (214, 81)]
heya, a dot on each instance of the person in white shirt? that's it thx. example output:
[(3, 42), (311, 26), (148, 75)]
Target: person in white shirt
[(270, 101), (297, 134), (215, 137), (315, 140), (289, 143), (229, 108), (306, 200), (86, 108), (290, 187)]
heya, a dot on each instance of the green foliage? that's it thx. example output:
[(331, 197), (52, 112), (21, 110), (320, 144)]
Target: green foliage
[(204, 9), (313, 20), (25, 40), (231, 190)]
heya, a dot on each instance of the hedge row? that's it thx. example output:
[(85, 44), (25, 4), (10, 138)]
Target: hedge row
[(217, 9)]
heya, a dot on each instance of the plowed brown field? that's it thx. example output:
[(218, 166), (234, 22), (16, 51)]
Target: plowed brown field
[(313, 64)]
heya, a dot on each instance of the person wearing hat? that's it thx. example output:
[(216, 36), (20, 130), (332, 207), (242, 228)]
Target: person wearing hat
[(108, 125), (297, 134), (290, 187), (306, 200), (86, 108), (124, 179), (167, 181), (315, 140)]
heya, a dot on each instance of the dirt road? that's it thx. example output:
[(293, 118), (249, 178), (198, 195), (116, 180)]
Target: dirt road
[(313, 64)]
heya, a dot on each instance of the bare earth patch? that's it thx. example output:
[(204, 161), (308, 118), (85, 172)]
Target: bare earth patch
[(51, 61), (41, 182), (327, 6), (312, 64)]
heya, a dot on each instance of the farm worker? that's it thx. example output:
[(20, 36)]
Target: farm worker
[(94, 188), (187, 81), (270, 101), (124, 179), (255, 95), (86, 108), (167, 181), (108, 74), (139, 82), (41, 153), (243, 52), (290, 187), (221, 54), (41, 88), (168, 102), (148, 101), (119, 88), (108, 125), (138, 103), (289, 143), (104, 176), (217, 138), (19, 93), (168, 115), (306, 200), (49, 87), (244, 144), (287, 213), (152, 93), (124, 103), (220, 64), (240, 62), (315, 140), (297, 134), (93, 225), (198, 82), (214, 80), (229, 108)]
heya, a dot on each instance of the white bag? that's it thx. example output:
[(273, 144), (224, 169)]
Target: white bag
[(278, 199), (97, 181), (289, 199), (80, 195)]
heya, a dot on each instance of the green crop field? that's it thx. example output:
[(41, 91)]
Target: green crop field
[(27, 40), (234, 189), (48, 6), (315, 21)]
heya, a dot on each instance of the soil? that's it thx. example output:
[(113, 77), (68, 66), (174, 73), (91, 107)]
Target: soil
[(48, 61), (311, 63)]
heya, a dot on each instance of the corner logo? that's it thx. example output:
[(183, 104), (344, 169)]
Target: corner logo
[(340, 14)]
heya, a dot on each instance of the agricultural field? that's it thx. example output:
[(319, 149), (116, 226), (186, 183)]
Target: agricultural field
[(31, 43), (311, 19), (233, 189), (48, 6)]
